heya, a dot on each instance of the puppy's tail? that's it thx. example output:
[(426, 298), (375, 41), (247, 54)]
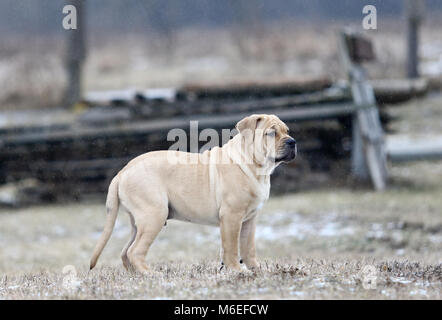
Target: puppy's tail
[(112, 205)]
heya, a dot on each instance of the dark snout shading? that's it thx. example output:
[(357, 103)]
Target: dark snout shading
[(290, 150), (291, 142)]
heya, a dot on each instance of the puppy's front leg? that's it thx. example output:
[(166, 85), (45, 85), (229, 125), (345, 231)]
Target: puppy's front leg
[(247, 242), (230, 230)]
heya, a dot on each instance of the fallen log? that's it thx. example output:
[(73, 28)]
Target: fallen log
[(105, 115), (129, 96), (398, 90), (326, 111), (253, 89), (403, 148), (387, 91)]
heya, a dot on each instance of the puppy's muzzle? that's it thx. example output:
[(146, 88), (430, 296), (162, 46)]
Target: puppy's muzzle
[(291, 143), (290, 150)]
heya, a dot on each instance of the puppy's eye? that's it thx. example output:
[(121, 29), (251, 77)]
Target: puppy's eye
[(270, 133)]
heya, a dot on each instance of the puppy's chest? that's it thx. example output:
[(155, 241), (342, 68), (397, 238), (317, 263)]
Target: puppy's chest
[(258, 202), (253, 209)]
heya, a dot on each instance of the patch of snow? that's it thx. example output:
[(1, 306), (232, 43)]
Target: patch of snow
[(421, 292), (435, 238), (59, 230), (319, 283), (432, 67), (431, 54), (285, 224), (400, 280), (43, 239), (389, 293), (13, 287), (209, 63), (122, 230), (333, 229), (298, 293)]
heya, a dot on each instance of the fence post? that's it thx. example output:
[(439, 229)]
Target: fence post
[(75, 55), (414, 10), (368, 154)]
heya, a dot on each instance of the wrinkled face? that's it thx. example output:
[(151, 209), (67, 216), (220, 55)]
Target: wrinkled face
[(266, 139)]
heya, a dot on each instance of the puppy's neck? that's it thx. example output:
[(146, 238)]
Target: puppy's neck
[(258, 175), (236, 151)]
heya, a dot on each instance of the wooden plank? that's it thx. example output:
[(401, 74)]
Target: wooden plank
[(79, 165), (393, 91), (404, 148), (118, 97), (192, 92), (105, 115), (158, 103), (254, 88), (387, 91), (371, 132), (410, 154), (359, 48), (368, 156), (326, 111), (33, 129), (130, 96)]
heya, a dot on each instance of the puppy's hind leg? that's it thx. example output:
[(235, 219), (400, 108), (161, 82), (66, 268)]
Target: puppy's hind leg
[(124, 257), (148, 224)]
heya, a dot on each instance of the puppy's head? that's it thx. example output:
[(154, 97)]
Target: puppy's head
[(266, 139)]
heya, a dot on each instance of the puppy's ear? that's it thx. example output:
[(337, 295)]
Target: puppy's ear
[(249, 123)]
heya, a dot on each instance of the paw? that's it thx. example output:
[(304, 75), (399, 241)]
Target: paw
[(232, 266), (252, 264)]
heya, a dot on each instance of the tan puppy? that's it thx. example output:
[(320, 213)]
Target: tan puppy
[(223, 187)]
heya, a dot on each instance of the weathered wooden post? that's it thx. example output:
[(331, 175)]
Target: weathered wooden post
[(75, 55), (414, 10), (368, 154)]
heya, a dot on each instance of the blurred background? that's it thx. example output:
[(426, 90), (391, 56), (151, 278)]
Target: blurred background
[(76, 105), (144, 44)]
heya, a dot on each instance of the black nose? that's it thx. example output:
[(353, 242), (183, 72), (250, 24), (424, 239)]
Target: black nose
[(291, 142)]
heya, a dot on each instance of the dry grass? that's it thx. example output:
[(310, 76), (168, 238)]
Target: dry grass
[(310, 244), (293, 279)]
